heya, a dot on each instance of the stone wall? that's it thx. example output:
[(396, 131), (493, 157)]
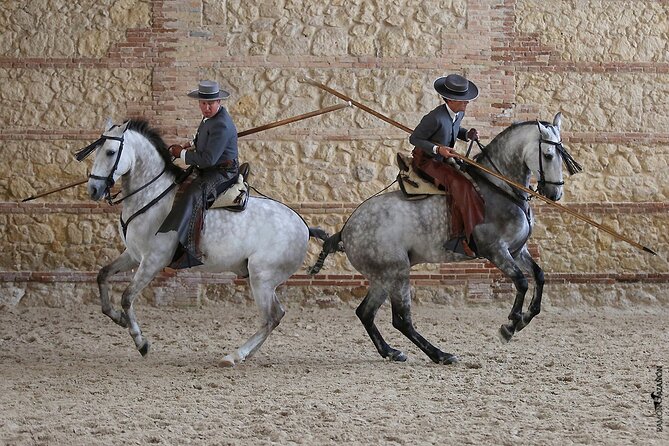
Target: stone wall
[(65, 68)]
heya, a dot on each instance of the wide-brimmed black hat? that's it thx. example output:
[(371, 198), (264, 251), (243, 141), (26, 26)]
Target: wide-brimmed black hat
[(456, 88), (208, 91)]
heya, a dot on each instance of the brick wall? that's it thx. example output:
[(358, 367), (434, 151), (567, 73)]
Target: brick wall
[(65, 68)]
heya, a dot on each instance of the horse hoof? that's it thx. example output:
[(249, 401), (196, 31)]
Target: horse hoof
[(228, 361), (448, 359), (396, 356), (144, 349), (505, 334)]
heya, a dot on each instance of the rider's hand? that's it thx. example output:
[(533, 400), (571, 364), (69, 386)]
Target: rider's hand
[(175, 150), (473, 134), (444, 151)]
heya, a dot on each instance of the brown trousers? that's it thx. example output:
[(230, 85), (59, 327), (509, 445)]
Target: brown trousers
[(466, 205)]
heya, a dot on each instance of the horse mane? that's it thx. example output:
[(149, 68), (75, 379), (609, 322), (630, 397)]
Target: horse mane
[(142, 127), (500, 139), (516, 125), (573, 167)]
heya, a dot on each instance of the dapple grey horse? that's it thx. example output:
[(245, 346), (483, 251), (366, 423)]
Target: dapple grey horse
[(387, 234), (265, 243)]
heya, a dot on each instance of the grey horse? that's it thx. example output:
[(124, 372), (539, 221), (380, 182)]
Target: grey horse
[(265, 243), (388, 234)]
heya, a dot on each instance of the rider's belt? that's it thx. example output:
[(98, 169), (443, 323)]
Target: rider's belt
[(227, 164), (224, 165)]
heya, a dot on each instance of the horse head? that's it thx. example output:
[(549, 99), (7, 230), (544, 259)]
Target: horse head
[(111, 161), (544, 158)]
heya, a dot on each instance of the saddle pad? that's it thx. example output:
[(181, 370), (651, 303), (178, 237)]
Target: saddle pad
[(234, 197), (410, 182)]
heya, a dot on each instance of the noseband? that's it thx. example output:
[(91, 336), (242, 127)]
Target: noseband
[(541, 183), (572, 166), (109, 179)]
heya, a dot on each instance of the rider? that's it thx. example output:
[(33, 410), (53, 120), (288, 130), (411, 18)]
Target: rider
[(432, 138), (213, 152)]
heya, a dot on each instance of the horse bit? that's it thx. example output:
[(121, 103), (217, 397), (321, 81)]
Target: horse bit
[(541, 183), (109, 179), (572, 166)]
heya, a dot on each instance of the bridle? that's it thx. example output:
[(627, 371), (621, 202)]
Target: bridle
[(109, 179), (572, 166), (541, 183)]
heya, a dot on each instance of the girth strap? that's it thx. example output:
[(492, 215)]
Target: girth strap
[(124, 225), (522, 203)]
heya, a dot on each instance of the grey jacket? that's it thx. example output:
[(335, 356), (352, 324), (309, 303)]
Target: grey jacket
[(437, 128), (215, 141)]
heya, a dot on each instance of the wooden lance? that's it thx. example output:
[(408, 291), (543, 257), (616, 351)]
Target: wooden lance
[(486, 170), (261, 128)]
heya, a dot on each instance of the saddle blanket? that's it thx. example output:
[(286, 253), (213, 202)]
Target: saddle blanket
[(235, 197), (412, 184)]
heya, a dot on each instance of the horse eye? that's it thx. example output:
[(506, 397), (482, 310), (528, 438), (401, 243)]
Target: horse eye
[(549, 156), (110, 152)]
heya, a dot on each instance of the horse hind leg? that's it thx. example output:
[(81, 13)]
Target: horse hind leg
[(366, 312), (400, 299), (123, 263), (271, 313)]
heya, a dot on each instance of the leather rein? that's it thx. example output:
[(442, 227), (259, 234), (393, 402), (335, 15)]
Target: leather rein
[(109, 180), (518, 198), (542, 179)]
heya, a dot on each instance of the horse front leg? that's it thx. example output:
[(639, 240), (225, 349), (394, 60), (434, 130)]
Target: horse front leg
[(508, 266), (123, 263), (535, 304), (147, 270)]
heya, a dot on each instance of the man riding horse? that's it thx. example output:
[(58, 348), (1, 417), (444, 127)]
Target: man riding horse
[(432, 138), (213, 152)]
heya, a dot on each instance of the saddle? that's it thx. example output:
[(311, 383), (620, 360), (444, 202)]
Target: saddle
[(235, 197), (463, 197), (412, 184)]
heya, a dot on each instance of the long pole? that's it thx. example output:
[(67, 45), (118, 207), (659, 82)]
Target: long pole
[(261, 128), (52, 191), (486, 170), (293, 119)]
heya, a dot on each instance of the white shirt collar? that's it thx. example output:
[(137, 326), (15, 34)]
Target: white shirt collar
[(451, 113)]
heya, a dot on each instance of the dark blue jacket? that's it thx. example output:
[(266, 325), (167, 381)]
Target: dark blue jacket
[(437, 128), (215, 141)]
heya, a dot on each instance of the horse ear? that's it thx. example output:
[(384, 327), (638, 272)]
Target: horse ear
[(557, 120), (542, 128), (108, 124), (125, 126)]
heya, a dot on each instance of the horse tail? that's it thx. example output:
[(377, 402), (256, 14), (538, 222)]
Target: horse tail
[(331, 244), (318, 233)]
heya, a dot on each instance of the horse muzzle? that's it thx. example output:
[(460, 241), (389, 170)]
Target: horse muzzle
[(551, 191), (97, 189)]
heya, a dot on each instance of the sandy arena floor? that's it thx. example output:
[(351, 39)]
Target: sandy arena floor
[(574, 376)]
